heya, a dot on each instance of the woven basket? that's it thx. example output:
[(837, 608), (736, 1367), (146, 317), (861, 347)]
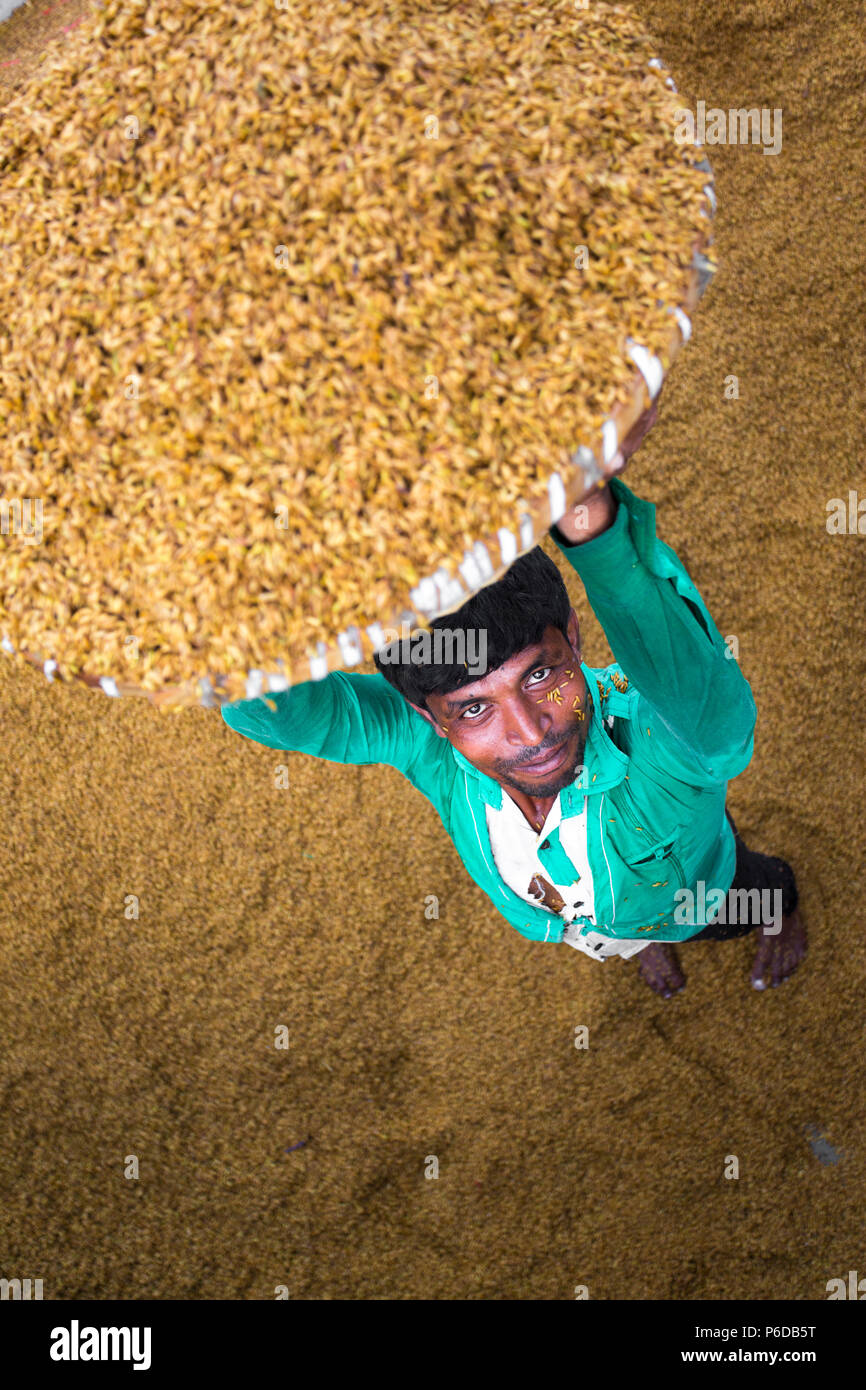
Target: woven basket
[(487, 559)]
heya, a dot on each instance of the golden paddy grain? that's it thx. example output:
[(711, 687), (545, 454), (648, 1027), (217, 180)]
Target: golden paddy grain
[(290, 314)]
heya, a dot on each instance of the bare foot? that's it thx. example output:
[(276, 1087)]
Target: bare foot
[(778, 956), (659, 966)]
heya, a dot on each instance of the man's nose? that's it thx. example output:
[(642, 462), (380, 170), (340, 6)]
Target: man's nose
[(528, 730)]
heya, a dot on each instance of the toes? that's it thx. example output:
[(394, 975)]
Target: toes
[(775, 966), (672, 980), (772, 974), (761, 968), (661, 972)]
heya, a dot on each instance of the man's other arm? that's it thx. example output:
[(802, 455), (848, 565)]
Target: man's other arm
[(346, 717)]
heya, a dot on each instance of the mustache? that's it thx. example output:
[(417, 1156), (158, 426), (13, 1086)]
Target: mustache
[(542, 752)]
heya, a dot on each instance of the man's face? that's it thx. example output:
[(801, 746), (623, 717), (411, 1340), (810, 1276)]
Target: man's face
[(535, 704)]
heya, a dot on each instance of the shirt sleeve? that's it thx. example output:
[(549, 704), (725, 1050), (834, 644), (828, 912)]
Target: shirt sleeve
[(346, 717), (663, 637)]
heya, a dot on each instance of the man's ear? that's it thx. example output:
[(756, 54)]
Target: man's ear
[(574, 634), (425, 714)]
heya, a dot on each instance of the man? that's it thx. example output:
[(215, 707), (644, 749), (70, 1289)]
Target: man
[(589, 804)]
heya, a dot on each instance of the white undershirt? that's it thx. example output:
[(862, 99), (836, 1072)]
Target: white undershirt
[(515, 847)]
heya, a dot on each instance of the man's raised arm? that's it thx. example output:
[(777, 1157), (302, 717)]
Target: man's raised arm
[(660, 631)]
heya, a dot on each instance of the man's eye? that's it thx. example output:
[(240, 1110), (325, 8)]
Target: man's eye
[(546, 669)]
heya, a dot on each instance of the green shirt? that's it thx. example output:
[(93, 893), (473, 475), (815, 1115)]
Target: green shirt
[(659, 751)]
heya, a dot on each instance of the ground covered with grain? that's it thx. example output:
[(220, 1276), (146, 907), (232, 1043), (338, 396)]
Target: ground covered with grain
[(262, 906)]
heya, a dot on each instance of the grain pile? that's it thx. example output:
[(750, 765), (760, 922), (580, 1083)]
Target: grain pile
[(290, 315)]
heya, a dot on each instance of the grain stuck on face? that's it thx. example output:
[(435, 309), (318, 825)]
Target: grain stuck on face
[(298, 304)]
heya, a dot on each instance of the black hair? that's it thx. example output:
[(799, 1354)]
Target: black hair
[(514, 612)]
